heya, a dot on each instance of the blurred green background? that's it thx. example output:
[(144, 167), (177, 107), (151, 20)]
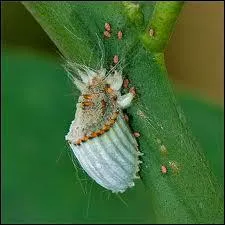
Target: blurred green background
[(40, 183)]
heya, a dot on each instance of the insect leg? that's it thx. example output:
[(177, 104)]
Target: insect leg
[(124, 101)]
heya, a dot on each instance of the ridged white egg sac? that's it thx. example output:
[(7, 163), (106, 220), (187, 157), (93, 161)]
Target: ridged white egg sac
[(99, 135), (110, 159)]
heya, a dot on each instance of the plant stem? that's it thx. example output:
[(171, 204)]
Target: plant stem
[(134, 13), (177, 196), (160, 26)]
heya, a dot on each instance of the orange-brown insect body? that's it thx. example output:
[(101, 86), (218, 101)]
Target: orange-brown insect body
[(136, 134), (116, 59), (132, 90), (163, 169), (126, 118), (126, 83), (98, 113), (107, 34), (151, 32), (120, 35), (107, 27)]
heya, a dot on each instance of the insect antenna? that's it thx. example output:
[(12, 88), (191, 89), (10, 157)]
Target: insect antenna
[(115, 67), (77, 176), (101, 46), (73, 35), (89, 199), (122, 200)]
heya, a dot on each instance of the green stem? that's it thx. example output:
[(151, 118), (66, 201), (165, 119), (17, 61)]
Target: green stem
[(134, 13), (160, 26), (176, 194)]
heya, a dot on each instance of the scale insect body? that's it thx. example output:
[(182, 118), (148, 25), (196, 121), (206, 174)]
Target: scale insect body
[(99, 136)]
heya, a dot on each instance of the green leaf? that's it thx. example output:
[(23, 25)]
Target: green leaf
[(189, 192), (40, 184)]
